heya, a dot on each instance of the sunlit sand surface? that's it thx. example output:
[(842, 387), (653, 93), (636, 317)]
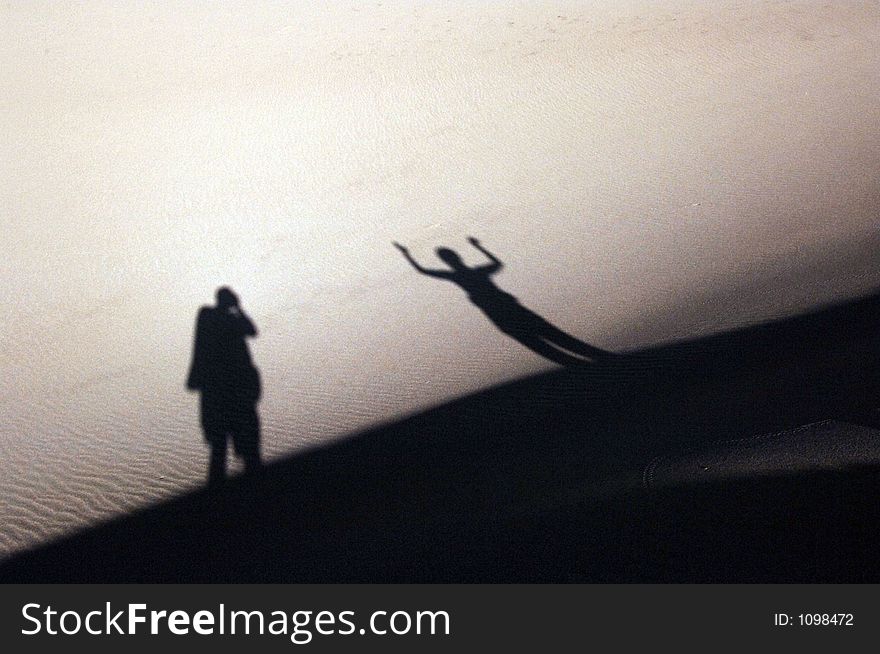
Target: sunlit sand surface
[(646, 172)]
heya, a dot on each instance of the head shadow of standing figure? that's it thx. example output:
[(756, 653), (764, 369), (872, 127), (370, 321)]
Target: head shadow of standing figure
[(229, 383), (505, 311)]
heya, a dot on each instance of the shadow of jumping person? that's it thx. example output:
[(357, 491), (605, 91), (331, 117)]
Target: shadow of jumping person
[(229, 383), (505, 311)]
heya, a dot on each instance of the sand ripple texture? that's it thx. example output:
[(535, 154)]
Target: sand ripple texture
[(647, 171)]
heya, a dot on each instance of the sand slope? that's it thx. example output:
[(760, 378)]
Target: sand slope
[(646, 171)]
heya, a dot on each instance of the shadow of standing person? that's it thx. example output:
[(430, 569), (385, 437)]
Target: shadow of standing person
[(505, 311), (229, 383)]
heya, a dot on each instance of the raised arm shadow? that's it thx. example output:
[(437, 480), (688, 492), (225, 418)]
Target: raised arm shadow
[(504, 310)]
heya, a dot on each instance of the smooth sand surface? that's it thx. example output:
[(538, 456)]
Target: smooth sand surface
[(647, 171)]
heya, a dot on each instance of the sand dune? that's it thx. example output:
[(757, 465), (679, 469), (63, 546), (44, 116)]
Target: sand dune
[(647, 172)]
